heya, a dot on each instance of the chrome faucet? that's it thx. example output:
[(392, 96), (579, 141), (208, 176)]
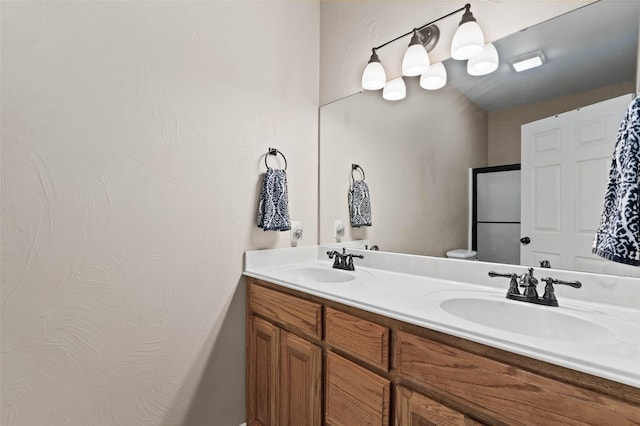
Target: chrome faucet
[(343, 260), (549, 292), (529, 283)]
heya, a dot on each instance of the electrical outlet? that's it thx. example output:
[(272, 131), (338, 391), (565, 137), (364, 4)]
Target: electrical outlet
[(339, 230), (296, 231)]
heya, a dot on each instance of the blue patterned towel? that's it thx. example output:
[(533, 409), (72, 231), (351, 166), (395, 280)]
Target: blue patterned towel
[(359, 204), (618, 237), (273, 206)]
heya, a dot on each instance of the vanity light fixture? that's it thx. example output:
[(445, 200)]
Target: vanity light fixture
[(435, 78), (394, 90), (374, 77), (468, 42), (528, 61), (416, 59), (484, 63)]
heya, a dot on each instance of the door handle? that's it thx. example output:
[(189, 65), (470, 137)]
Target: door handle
[(525, 240)]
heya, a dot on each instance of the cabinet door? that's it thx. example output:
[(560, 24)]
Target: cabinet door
[(355, 396), (263, 372), (300, 381), (414, 409)]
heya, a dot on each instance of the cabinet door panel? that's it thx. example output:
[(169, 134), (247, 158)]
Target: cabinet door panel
[(263, 372), (414, 409), (300, 381), (355, 396)]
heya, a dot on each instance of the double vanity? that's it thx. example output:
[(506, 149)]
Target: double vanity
[(414, 340)]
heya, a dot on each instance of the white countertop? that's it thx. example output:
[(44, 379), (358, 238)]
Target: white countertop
[(415, 296)]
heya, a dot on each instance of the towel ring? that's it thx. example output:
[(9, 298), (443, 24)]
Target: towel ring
[(356, 167), (273, 151)]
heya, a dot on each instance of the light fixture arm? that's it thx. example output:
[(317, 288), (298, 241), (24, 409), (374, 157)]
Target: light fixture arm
[(374, 56), (467, 8), (467, 16)]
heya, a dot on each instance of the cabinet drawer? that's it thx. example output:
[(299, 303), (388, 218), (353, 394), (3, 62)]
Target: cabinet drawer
[(501, 391), (289, 311), (414, 409), (363, 339), (354, 395)]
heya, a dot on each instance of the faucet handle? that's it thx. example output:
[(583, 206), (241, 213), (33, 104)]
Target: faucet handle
[(551, 281), (513, 283), (549, 292), (498, 274)]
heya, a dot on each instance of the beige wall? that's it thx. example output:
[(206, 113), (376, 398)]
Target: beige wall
[(504, 126), (416, 167), (132, 143)]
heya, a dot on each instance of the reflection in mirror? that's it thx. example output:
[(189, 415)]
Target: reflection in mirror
[(418, 152)]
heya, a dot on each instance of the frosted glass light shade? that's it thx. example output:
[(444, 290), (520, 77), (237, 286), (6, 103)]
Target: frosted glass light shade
[(468, 41), (373, 76), (416, 59), (435, 78), (484, 63), (394, 90)]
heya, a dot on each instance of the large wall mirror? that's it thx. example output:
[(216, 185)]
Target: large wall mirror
[(417, 153)]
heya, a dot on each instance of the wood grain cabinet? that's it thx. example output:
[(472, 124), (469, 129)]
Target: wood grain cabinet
[(300, 381), (312, 361), (414, 409), (263, 372), (503, 392), (284, 370), (355, 395), (364, 340)]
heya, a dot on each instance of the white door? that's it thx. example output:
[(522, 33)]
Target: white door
[(565, 170)]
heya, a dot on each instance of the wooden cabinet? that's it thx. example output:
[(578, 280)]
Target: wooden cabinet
[(292, 313), (379, 371), (363, 339), (414, 409), (263, 372), (300, 381), (355, 395), (284, 370), (501, 391)]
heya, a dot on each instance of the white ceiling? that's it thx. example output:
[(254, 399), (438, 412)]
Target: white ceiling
[(591, 47)]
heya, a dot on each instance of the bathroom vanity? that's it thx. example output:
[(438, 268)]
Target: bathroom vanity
[(351, 348)]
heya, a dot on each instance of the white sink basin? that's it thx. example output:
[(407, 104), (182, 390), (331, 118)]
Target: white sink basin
[(527, 319), (309, 274)]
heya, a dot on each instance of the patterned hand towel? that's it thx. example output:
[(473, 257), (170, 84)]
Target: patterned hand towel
[(618, 236), (273, 206), (359, 204)]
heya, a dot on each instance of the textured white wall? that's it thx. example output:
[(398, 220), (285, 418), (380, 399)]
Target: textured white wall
[(132, 136)]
